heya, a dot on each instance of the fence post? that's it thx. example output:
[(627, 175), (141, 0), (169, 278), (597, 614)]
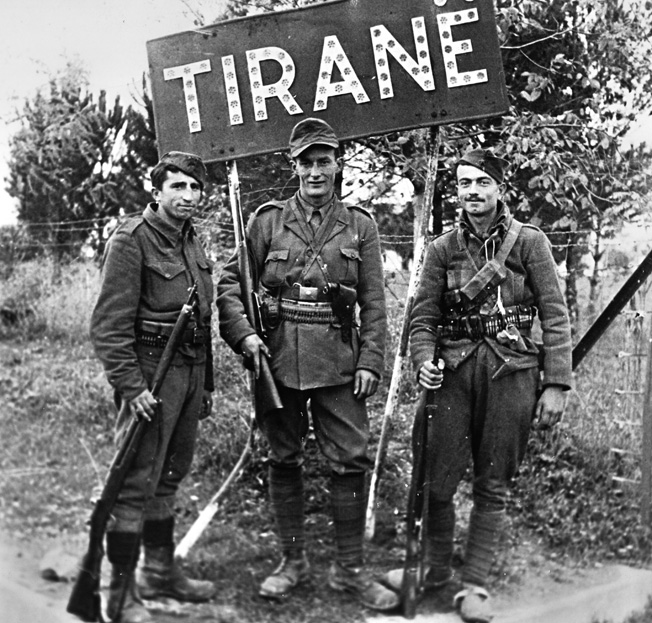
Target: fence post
[(646, 450)]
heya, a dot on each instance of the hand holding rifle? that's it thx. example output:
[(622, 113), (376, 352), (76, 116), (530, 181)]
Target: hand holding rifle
[(430, 377), (266, 395), (84, 601), (253, 349)]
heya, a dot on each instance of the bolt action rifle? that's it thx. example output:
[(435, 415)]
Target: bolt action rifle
[(417, 510), (84, 601), (266, 396)]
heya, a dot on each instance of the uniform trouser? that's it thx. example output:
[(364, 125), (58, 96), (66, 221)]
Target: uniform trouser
[(339, 420), (342, 430), (166, 451), (488, 420)]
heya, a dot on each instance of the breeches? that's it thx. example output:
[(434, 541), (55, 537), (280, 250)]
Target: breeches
[(485, 419), (166, 451), (340, 424)]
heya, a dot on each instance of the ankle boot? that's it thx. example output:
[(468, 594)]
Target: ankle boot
[(161, 576), (123, 605)]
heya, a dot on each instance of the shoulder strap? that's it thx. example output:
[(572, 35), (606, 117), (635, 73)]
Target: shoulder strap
[(494, 270), (316, 243)]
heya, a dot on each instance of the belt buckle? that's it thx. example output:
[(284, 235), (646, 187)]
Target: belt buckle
[(306, 293), (198, 336)]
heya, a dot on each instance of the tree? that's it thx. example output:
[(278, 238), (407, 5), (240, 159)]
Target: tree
[(577, 77), (75, 162)]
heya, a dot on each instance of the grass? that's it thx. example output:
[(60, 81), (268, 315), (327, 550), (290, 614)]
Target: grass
[(56, 433)]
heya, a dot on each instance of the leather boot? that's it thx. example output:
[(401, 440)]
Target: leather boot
[(293, 570), (122, 587), (161, 576), (362, 586)]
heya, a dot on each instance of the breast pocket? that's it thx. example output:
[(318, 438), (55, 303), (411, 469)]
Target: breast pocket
[(166, 283), (206, 275), (351, 258), (275, 267)]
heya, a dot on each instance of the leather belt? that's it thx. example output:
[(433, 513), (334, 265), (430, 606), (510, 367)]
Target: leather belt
[(157, 334), (478, 326), (297, 292), (306, 312)]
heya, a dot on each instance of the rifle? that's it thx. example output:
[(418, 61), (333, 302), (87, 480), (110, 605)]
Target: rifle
[(417, 509), (266, 394), (84, 601)]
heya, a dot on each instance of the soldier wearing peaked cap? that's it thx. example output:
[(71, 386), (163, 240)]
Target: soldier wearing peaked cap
[(150, 262), (484, 282), (318, 260)]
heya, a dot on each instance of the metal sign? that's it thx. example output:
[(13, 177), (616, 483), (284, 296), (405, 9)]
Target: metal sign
[(367, 67)]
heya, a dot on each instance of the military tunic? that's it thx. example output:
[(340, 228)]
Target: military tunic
[(310, 355), (489, 392), (147, 269), (311, 360)]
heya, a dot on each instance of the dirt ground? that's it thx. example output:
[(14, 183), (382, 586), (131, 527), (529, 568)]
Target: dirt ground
[(549, 592)]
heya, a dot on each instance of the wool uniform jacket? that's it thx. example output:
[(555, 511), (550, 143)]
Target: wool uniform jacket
[(453, 258), (145, 276), (310, 355)]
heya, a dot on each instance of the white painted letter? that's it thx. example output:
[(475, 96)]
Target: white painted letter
[(187, 73), (420, 70), (232, 91), (333, 54), (281, 89), (450, 49)]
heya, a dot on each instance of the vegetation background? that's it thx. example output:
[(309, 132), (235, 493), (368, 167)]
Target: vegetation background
[(578, 79)]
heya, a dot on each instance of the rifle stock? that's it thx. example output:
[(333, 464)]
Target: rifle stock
[(84, 601), (412, 585)]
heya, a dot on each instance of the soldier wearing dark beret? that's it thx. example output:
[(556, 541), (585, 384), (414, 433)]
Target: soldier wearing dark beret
[(484, 282), (319, 261), (150, 262)]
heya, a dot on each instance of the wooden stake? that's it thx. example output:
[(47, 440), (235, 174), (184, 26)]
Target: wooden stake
[(646, 450), (401, 359)]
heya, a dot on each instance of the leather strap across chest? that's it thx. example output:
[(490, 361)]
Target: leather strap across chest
[(476, 286), (316, 241)]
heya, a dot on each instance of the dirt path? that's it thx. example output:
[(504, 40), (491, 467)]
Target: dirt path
[(609, 593), (25, 597)]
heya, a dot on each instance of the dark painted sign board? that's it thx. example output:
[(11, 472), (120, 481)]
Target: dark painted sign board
[(368, 67)]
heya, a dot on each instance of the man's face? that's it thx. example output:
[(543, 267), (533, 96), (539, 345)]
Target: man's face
[(178, 197), (317, 168), (477, 191)]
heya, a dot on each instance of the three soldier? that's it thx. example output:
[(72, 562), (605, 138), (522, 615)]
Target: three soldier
[(320, 279)]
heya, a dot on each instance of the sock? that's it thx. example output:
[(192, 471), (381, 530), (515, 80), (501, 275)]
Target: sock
[(440, 532), (286, 494), (349, 502), (122, 548), (485, 530)]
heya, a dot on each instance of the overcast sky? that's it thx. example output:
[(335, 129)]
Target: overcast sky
[(38, 36)]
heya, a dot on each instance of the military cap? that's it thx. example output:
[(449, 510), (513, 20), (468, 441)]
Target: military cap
[(190, 164), (486, 161), (309, 132)]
